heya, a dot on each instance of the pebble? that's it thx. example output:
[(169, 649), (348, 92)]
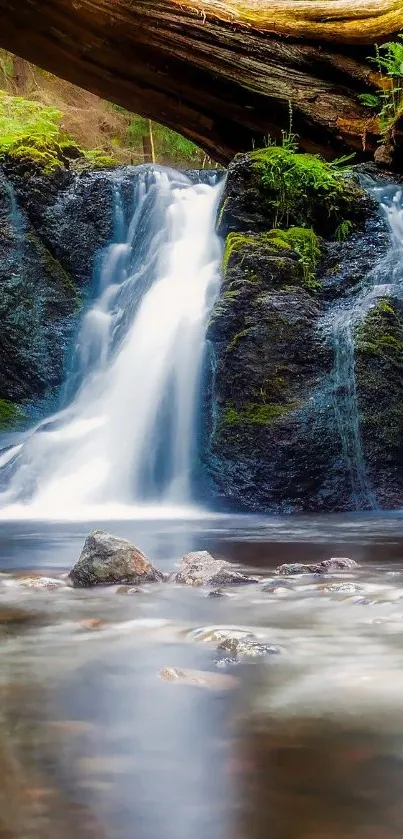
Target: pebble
[(198, 678)]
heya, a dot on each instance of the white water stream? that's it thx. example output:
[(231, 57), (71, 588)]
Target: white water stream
[(126, 441)]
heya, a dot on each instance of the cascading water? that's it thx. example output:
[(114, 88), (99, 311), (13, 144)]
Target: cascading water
[(386, 279), (127, 435)]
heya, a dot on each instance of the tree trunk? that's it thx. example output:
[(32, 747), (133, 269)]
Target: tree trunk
[(20, 74), (222, 72)]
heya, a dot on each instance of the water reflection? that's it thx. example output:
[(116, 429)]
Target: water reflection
[(306, 745)]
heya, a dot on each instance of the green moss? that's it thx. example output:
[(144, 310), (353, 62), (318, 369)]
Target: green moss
[(381, 334), (305, 243), (253, 414), (302, 190), (53, 266), (10, 414), (238, 337), (301, 240), (32, 132)]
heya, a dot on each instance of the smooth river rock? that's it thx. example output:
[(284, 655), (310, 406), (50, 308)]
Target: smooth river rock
[(199, 568), (324, 567), (107, 560)]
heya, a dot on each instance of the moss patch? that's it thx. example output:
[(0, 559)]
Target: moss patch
[(303, 241), (381, 334), (302, 189), (10, 414), (253, 414), (30, 131)]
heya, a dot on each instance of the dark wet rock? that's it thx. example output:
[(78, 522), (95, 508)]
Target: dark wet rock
[(129, 590), (379, 387), (107, 560), (324, 567), (271, 440), (217, 592), (52, 225), (199, 568)]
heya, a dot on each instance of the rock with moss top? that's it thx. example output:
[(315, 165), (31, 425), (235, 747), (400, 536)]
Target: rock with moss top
[(107, 560), (291, 224)]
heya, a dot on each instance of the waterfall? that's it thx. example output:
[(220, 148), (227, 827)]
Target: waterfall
[(341, 321), (126, 437)]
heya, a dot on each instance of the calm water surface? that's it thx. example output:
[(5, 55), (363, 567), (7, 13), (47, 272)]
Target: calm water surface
[(304, 743)]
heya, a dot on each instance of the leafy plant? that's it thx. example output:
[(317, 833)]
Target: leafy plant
[(388, 103)]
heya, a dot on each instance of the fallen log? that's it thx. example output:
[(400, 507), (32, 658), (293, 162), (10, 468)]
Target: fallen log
[(226, 74)]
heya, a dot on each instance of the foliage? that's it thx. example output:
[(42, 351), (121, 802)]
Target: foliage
[(301, 189), (168, 144), (343, 230), (22, 119), (304, 241), (388, 103), (10, 414)]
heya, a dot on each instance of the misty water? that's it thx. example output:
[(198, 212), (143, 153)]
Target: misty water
[(301, 742)]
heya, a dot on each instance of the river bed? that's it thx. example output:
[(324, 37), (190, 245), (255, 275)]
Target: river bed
[(102, 738)]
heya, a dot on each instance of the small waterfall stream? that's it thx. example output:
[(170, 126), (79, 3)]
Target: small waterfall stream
[(341, 321), (127, 434)]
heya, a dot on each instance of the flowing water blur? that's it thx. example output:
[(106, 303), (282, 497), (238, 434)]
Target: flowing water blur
[(128, 434), (304, 743), (301, 742), (341, 321)]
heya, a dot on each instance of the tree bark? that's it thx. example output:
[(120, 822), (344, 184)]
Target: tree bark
[(224, 73)]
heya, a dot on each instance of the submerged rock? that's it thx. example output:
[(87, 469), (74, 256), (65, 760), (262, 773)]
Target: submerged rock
[(324, 567), (198, 678), (242, 648), (108, 560), (199, 568)]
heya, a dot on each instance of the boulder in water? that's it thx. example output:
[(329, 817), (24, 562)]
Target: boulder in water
[(333, 564), (199, 568), (107, 560)]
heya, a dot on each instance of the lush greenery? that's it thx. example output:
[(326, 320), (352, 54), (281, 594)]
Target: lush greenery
[(31, 130), (302, 190), (389, 102)]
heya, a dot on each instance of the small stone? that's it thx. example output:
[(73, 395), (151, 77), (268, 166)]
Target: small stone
[(129, 590), (107, 560), (246, 648), (199, 568), (199, 678), (92, 623), (217, 592), (41, 582), (333, 564), (342, 588)]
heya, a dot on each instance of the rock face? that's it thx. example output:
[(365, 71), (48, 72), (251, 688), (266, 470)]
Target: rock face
[(106, 560), (273, 441), (324, 567), (52, 224), (199, 568)]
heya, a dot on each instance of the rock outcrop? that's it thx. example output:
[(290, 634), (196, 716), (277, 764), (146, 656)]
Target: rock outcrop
[(52, 225), (300, 238), (107, 560), (199, 568)]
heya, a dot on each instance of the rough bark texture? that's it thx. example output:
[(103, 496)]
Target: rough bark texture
[(222, 73)]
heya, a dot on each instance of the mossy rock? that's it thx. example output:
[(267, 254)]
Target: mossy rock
[(254, 250), (279, 187)]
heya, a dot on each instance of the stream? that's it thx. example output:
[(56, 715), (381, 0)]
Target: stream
[(303, 741)]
